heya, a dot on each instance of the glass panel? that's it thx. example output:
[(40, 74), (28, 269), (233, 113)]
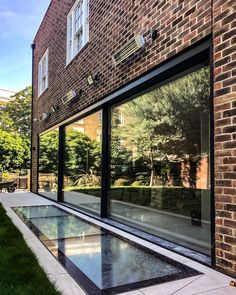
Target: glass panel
[(82, 175), (44, 65), (63, 227), (79, 40), (40, 211), (160, 166), (70, 38), (78, 16), (114, 262), (97, 258), (48, 164)]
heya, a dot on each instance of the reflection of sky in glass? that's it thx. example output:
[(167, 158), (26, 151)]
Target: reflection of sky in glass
[(64, 227), (114, 262), (103, 257), (44, 211)]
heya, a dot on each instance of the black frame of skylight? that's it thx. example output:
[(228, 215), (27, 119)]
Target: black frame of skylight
[(87, 284)]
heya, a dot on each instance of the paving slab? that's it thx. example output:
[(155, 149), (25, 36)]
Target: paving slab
[(210, 282)]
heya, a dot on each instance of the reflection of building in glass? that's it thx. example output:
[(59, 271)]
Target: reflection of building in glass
[(5, 96), (91, 126)]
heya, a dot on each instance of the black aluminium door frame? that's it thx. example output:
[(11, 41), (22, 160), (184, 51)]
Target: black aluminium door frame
[(212, 154), (201, 58), (180, 63), (61, 163)]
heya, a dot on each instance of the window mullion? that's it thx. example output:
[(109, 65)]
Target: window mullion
[(73, 34), (84, 9), (46, 86), (39, 78)]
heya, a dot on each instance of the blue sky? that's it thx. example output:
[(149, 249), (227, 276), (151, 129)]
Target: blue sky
[(19, 21)]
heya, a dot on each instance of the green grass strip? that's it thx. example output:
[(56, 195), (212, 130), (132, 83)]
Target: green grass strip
[(20, 273)]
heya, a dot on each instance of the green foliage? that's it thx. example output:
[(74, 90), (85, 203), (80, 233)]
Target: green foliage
[(121, 182), (136, 183), (164, 123), (15, 132), (15, 117), (14, 152), (48, 152), (82, 154), (19, 269), (88, 180)]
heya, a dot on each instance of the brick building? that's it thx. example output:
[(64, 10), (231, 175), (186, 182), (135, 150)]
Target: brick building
[(170, 66), (5, 96)]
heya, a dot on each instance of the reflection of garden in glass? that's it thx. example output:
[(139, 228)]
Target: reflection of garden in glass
[(160, 160), (82, 157), (48, 164)]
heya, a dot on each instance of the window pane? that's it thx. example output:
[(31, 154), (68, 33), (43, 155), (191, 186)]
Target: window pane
[(160, 165), (78, 16), (79, 41), (48, 164), (44, 66), (44, 83), (82, 172)]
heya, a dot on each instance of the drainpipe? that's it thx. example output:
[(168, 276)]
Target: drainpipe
[(32, 101)]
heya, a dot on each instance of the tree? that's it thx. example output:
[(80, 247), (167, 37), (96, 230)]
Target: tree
[(121, 156), (15, 132), (14, 152), (82, 154), (15, 117), (48, 152), (165, 122)]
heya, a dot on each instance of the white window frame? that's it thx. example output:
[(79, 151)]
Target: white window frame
[(73, 31), (43, 73), (121, 118)]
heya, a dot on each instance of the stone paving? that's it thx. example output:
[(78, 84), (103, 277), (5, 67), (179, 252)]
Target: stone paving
[(210, 282)]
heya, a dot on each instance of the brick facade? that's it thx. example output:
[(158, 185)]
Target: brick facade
[(180, 24), (224, 35)]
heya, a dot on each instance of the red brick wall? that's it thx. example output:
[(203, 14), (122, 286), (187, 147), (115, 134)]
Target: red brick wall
[(180, 23), (224, 35)]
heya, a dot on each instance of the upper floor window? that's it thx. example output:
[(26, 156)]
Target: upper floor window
[(77, 28), (43, 73)]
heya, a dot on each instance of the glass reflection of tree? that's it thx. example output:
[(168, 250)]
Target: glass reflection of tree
[(166, 123), (82, 157), (48, 160), (121, 156), (48, 152)]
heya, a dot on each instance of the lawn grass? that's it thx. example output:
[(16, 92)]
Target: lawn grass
[(20, 273)]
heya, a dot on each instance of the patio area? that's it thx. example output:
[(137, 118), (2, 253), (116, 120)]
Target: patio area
[(209, 282)]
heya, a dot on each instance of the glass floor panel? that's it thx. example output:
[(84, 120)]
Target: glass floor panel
[(40, 211), (115, 262), (101, 261), (64, 227)]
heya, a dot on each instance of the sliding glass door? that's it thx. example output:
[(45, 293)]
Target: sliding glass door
[(156, 150), (160, 161), (48, 164), (82, 163)]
